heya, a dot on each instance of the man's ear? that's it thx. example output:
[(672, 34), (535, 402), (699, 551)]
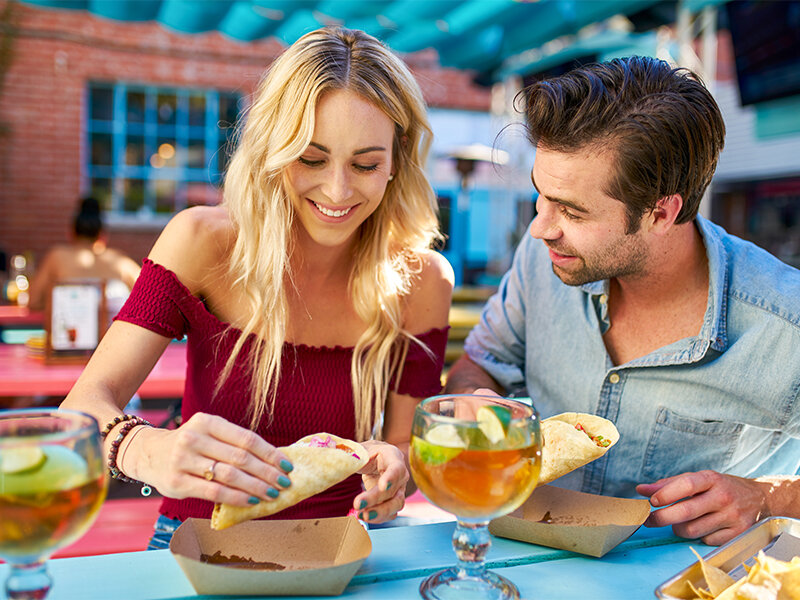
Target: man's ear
[(663, 216)]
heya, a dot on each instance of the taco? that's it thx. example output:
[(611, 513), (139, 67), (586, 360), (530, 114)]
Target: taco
[(320, 460), (572, 440)]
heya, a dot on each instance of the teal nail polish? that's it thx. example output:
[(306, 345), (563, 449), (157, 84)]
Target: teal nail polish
[(361, 516), (363, 505), (373, 514), (286, 466), (388, 486), (253, 500), (272, 492), (284, 481)]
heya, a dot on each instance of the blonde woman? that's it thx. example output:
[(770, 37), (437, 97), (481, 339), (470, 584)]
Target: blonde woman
[(310, 298)]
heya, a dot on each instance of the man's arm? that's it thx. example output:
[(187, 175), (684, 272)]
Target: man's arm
[(465, 376)]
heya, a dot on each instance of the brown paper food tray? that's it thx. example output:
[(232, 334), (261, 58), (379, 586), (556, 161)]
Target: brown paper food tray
[(584, 523), (767, 535), (320, 556)]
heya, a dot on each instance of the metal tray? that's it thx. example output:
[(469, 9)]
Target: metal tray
[(731, 556)]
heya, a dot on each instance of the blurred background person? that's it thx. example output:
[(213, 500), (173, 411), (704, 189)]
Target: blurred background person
[(87, 257)]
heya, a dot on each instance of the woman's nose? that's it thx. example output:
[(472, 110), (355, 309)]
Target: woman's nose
[(337, 186)]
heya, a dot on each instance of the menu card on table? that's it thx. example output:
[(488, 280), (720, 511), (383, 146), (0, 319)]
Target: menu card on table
[(77, 319)]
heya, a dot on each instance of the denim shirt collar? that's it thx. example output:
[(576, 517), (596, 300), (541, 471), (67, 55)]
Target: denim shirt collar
[(713, 334)]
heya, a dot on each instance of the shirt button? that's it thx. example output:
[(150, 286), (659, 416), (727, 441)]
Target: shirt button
[(613, 378), (603, 299)]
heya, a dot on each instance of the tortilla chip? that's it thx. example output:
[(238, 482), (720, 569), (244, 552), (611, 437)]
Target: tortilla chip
[(566, 448), (315, 470), (717, 580)]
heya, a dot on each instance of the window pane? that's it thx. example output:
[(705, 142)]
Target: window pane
[(228, 109), (101, 152), (167, 103), (166, 154), (133, 195), (134, 150), (196, 156), (101, 104), (101, 189), (136, 107), (197, 109), (165, 195)]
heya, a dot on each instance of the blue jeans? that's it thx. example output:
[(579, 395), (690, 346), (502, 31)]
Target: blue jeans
[(162, 533)]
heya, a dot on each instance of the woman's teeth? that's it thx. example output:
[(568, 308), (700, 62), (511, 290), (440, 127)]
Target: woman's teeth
[(332, 213)]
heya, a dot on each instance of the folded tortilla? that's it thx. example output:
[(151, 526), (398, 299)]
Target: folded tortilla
[(316, 468), (566, 447)]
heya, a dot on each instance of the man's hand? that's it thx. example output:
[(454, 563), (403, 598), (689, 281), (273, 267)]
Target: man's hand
[(706, 505), (465, 377)]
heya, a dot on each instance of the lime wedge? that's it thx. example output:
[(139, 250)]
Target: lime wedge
[(440, 447), (445, 435), (22, 459), (493, 421)]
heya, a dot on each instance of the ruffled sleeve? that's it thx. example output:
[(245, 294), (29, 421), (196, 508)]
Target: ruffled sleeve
[(157, 302), (421, 375)]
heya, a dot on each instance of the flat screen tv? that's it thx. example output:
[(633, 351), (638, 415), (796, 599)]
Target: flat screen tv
[(766, 47)]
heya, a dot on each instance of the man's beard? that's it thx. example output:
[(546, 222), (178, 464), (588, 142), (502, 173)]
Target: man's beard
[(625, 257)]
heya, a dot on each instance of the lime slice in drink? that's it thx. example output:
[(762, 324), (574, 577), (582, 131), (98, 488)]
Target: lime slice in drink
[(60, 469), (441, 444), (493, 421), (22, 459)]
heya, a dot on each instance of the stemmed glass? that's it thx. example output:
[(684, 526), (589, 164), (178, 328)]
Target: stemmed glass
[(52, 484), (477, 457)]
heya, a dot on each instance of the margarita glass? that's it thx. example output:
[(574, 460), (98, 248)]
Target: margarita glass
[(478, 457), (52, 484)]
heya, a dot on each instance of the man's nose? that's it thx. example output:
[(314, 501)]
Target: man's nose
[(545, 225)]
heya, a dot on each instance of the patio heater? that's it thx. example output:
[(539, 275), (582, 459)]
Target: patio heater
[(466, 160)]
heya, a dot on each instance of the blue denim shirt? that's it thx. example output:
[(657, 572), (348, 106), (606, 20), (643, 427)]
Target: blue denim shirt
[(725, 399)]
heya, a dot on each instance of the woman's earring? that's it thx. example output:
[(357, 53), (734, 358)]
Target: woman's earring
[(391, 177)]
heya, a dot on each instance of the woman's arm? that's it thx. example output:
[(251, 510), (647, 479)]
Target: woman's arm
[(246, 468)]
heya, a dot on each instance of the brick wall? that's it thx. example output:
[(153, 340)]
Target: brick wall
[(42, 102)]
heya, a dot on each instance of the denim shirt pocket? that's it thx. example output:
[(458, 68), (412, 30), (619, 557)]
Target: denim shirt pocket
[(679, 444)]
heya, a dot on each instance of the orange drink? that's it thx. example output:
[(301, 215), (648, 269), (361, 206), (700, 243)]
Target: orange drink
[(478, 457), (475, 483)]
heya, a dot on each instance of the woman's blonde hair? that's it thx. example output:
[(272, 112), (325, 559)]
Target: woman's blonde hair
[(278, 129)]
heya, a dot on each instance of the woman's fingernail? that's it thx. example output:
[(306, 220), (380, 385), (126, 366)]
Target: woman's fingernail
[(388, 485), (272, 492), (286, 465), (253, 500), (363, 505), (284, 481), (361, 516), (373, 514)]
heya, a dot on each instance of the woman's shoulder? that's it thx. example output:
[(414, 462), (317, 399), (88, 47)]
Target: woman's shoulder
[(428, 303), (194, 242)]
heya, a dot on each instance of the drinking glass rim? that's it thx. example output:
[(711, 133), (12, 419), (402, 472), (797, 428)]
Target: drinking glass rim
[(88, 427), (445, 419)]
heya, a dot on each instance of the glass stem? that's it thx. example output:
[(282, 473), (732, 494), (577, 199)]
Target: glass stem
[(28, 582), (471, 542)]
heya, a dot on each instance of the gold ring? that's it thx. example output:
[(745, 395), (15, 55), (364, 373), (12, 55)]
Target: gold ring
[(209, 472)]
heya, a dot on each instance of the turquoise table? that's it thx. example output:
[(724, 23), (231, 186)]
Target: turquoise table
[(401, 557)]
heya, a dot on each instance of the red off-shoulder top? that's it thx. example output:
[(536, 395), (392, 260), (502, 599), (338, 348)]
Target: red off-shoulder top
[(314, 391)]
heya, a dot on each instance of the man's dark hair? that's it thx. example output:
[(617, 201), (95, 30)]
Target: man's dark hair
[(88, 221), (661, 123)]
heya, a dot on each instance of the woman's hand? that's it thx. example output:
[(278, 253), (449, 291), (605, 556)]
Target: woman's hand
[(385, 477), (208, 457)]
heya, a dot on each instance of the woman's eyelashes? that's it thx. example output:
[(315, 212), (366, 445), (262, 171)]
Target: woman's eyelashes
[(308, 162)]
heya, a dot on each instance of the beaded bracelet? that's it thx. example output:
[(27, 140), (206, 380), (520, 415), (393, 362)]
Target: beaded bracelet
[(130, 422), (116, 421)]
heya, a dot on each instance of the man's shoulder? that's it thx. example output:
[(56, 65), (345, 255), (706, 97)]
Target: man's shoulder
[(760, 279)]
